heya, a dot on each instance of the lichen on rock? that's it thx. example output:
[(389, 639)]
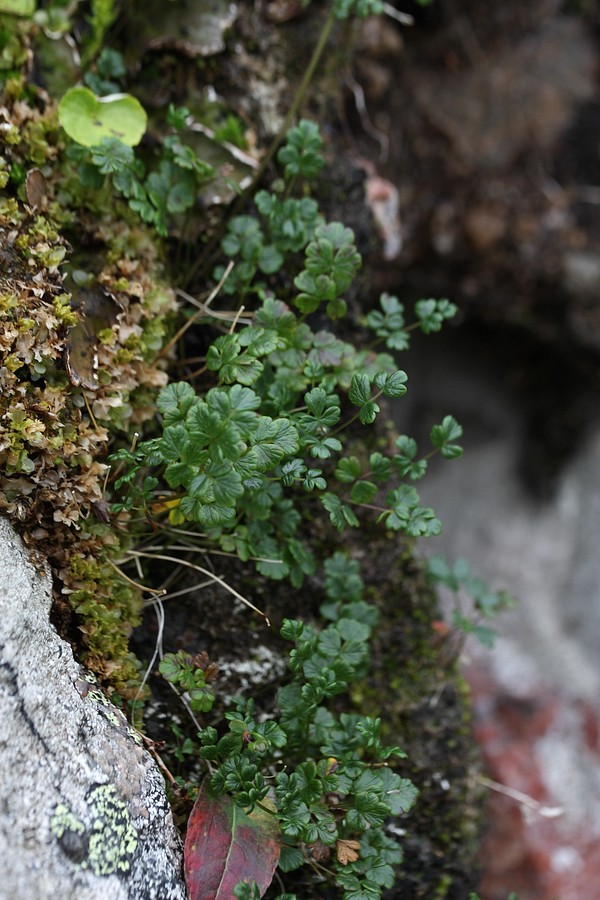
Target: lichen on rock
[(110, 841), (85, 812)]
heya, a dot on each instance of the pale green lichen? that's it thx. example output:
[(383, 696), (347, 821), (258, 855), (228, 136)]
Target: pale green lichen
[(64, 820), (110, 712), (109, 844), (114, 839)]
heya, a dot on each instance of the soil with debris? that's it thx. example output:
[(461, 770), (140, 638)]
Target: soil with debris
[(414, 684)]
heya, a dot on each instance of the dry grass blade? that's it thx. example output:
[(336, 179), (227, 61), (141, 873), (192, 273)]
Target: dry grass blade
[(217, 578)]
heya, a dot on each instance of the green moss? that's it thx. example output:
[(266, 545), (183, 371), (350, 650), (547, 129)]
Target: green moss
[(107, 609), (63, 311), (426, 711)]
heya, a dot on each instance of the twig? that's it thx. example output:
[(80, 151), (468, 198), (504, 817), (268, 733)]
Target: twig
[(549, 812)]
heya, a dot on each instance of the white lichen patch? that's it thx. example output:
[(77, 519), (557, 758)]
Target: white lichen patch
[(264, 666), (108, 845)]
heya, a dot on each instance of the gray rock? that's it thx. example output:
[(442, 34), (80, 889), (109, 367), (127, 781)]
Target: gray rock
[(544, 551), (83, 810)]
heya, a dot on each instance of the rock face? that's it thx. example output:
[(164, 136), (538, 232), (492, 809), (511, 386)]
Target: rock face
[(535, 696), (83, 811)]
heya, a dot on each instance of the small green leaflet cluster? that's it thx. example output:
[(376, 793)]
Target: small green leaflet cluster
[(109, 72), (337, 785), (272, 428), (284, 225), (389, 323), (184, 671), (230, 457), (486, 604), (169, 189)]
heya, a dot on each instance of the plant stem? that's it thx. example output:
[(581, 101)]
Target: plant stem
[(355, 416), (291, 113)]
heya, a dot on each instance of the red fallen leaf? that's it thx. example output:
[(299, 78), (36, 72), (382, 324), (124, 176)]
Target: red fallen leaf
[(224, 846)]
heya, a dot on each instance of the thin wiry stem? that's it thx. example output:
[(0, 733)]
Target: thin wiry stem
[(164, 350), (210, 552), (141, 587), (188, 590), (197, 568), (158, 651)]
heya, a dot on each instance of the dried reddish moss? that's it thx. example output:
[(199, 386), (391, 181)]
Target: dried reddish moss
[(55, 432)]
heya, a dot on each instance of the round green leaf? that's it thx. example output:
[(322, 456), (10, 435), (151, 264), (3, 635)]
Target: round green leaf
[(88, 119)]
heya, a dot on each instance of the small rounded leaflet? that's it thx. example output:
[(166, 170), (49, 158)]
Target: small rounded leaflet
[(89, 119), (224, 846)]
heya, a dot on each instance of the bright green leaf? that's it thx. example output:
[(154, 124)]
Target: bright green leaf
[(88, 119)]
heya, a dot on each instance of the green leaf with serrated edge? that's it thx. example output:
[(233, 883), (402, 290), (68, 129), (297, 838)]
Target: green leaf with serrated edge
[(363, 491), (227, 483), (400, 793), (314, 481), (438, 571), (350, 630), (291, 471), (259, 341), (112, 156), (368, 412), (212, 515), (322, 449), (191, 508), (180, 474), (432, 313), (175, 400), (224, 846), (222, 352), (380, 467), (205, 426), (245, 369), (340, 514), (269, 260), (173, 442), (360, 389), (272, 440), (441, 437), (392, 385), (291, 858), (301, 153), (348, 470)]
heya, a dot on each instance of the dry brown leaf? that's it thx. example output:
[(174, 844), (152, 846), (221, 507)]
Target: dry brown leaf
[(347, 851)]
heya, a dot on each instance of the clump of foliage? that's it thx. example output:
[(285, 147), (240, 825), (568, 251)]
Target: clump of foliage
[(325, 779), (485, 604), (169, 189), (280, 428), (280, 431), (272, 430)]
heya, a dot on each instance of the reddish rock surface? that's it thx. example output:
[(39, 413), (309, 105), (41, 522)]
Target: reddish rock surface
[(538, 741)]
